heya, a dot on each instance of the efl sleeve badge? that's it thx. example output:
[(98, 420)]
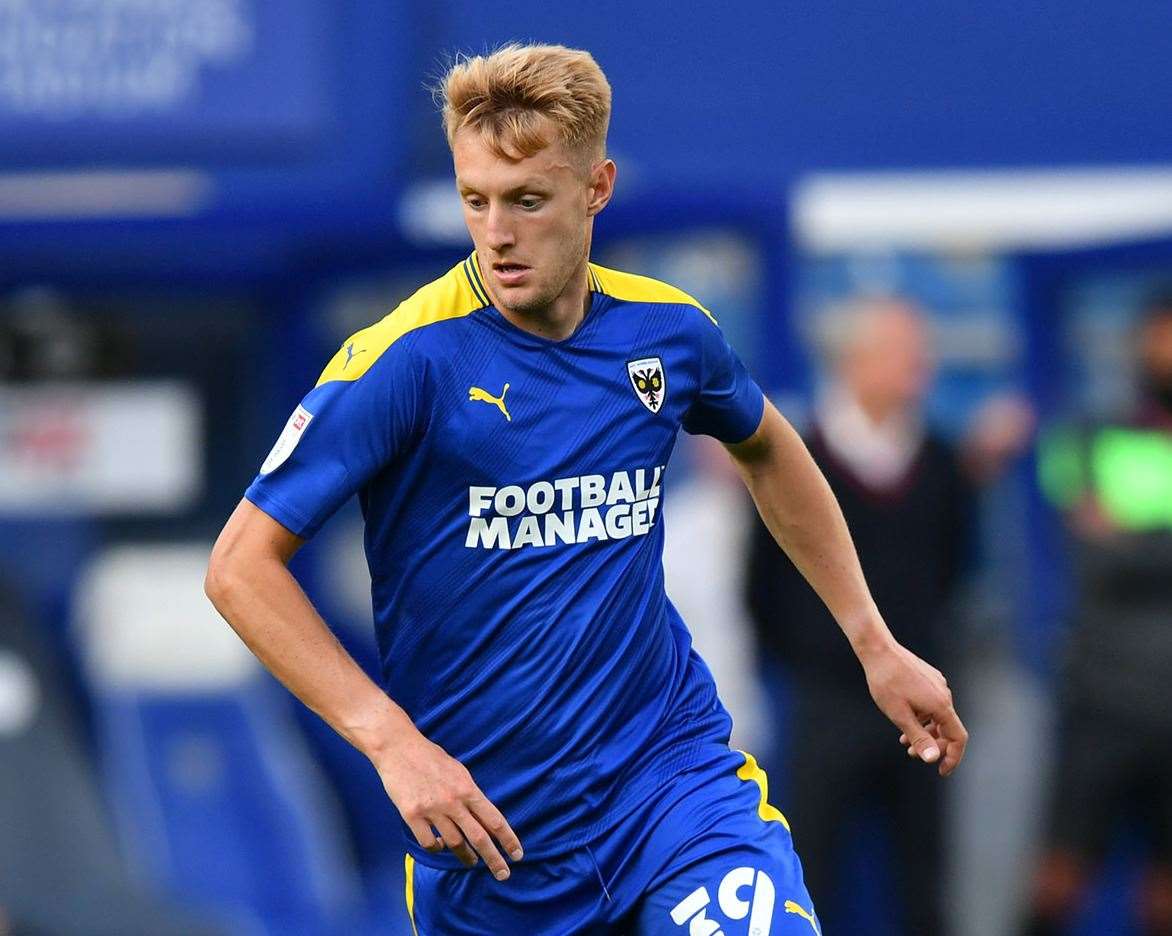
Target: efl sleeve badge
[(288, 440)]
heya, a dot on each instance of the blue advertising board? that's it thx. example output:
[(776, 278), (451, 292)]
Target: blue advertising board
[(160, 81), (219, 134)]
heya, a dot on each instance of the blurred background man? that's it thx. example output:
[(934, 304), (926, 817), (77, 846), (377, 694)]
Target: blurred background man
[(908, 498), (1113, 480)]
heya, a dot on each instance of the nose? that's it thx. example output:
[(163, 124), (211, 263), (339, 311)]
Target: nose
[(498, 230)]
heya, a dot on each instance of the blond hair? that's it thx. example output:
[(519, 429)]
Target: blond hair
[(512, 96)]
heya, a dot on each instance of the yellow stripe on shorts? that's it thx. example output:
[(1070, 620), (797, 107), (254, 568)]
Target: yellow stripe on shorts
[(751, 771), (409, 875)]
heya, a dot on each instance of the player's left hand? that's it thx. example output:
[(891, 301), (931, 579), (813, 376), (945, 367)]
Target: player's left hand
[(916, 697)]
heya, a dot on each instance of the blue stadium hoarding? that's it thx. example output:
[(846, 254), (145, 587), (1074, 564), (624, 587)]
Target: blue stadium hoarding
[(131, 128), (162, 81)]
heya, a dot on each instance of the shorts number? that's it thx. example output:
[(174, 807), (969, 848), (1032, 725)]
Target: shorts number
[(758, 908)]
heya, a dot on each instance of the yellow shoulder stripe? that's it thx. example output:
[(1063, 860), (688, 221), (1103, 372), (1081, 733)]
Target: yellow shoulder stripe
[(455, 294), (750, 771), (634, 288)]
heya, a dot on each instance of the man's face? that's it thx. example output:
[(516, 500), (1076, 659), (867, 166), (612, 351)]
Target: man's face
[(892, 361), (530, 218)]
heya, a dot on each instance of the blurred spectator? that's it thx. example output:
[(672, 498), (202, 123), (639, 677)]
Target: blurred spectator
[(1113, 481), (43, 338), (60, 870), (908, 498)]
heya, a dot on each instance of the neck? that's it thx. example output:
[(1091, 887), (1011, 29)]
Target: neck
[(561, 317)]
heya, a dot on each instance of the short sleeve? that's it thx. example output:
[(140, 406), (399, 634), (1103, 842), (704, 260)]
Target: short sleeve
[(728, 404), (340, 436)]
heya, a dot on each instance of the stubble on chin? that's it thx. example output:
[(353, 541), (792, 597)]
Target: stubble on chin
[(529, 306)]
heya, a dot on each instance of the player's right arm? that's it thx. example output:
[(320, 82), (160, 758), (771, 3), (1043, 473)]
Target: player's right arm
[(367, 410), (251, 586)]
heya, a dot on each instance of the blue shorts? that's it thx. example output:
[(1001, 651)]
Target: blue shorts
[(708, 856)]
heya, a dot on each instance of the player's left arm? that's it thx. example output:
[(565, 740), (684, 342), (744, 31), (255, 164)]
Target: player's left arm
[(801, 512)]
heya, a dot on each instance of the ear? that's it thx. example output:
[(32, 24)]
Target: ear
[(601, 186)]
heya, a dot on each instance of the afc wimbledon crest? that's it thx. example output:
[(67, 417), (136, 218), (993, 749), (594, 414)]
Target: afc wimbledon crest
[(647, 378)]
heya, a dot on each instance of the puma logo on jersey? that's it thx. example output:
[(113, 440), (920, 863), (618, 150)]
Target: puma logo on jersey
[(794, 907), (475, 393)]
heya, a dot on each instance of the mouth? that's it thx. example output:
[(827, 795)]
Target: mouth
[(510, 273)]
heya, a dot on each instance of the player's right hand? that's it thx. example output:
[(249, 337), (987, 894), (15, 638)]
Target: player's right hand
[(435, 793)]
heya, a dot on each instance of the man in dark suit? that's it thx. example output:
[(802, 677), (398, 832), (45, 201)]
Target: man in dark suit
[(908, 498)]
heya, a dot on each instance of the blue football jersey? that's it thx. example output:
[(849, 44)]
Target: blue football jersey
[(512, 487)]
